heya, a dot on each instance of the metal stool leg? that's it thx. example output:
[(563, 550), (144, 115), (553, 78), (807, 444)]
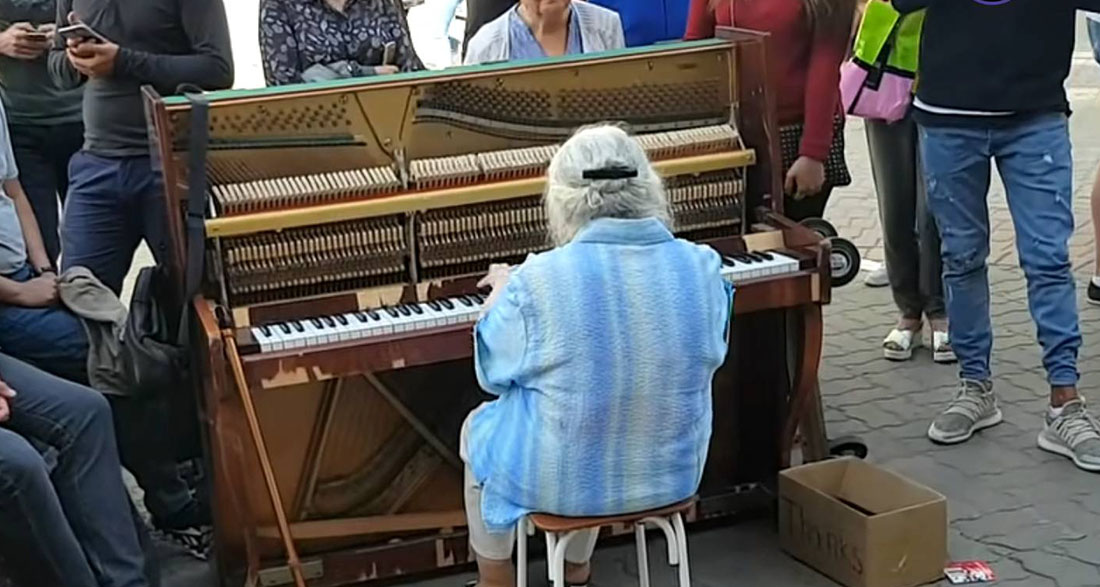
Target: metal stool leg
[(558, 558), (551, 547), (682, 544), (670, 538), (643, 554), (521, 553)]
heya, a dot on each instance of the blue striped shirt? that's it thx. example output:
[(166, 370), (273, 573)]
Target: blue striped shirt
[(602, 353)]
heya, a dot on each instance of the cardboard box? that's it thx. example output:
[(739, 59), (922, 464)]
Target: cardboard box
[(861, 525)]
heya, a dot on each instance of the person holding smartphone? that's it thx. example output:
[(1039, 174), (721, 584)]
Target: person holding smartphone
[(46, 122), (116, 197), (306, 41)]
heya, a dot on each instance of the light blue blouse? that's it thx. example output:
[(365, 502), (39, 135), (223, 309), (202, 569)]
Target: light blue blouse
[(523, 44), (602, 353)]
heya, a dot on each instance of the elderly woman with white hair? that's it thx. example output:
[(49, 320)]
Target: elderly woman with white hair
[(534, 29), (599, 351)]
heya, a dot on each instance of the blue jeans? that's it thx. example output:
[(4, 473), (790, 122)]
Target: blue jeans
[(73, 525), (113, 203), (51, 339), (1036, 164)]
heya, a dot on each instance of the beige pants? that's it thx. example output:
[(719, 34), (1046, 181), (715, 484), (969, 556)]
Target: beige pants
[(497, 546)]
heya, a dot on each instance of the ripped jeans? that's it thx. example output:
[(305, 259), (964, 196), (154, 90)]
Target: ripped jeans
[(1035, 162)]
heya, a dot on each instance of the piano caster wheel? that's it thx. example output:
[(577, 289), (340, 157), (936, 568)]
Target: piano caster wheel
[(844, 261), (820, 226), (849, 446)]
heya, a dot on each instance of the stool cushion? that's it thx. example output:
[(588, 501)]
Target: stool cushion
[(561, 525)]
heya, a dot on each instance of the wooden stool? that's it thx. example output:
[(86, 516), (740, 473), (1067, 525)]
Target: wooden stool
[(561, 531)]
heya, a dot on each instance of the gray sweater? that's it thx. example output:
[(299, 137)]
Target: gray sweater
[(163, 43)]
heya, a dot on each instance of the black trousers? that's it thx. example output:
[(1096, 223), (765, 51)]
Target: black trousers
[(42, 154)]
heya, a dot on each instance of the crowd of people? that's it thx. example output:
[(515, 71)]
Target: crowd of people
[(80, 192)]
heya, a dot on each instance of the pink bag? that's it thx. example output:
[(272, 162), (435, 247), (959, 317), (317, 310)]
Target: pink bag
[(875, 93)]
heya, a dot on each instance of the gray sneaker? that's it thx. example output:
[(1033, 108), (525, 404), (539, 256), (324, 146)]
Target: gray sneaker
[(974, 408), (1075, 435)]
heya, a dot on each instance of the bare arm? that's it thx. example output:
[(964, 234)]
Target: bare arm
[(32, 236)]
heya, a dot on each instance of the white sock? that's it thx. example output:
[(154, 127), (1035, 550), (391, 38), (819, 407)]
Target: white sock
[(1096, 280), (1056, 412)]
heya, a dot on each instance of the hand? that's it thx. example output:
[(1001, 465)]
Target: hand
[(805, 178), (385, 69), (6, 393), (93, 59), (496, 277), (40, 292), (22, 41)]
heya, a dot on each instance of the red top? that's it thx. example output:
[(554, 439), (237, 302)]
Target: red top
[(806, 68)]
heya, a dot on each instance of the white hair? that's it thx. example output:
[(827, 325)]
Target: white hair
[(571, 201)]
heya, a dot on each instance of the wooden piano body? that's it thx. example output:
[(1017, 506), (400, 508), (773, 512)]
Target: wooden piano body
[(340, 456)]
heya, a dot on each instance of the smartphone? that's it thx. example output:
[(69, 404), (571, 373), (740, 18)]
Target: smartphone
[(81, 32), (38, 37), (389, 53)]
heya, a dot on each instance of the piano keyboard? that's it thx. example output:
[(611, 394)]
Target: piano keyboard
[(455, 311)]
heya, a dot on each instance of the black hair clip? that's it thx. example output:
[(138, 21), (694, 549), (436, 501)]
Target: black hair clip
[(612, 172)]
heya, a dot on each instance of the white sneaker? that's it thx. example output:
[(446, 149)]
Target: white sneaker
[(974, 408), (877, 278), (1074, 434)]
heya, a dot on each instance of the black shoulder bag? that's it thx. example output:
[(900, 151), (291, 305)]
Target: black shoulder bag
[(156, 338)]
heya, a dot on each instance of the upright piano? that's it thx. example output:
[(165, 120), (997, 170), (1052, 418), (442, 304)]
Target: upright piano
[(346, 225)]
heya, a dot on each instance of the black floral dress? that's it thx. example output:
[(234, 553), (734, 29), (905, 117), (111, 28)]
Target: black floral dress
[(298, 34)]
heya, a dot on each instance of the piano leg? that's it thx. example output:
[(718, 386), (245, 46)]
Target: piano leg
[(265, 462), (805, 412)]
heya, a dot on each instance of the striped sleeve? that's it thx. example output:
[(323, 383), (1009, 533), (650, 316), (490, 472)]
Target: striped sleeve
[(500, 342)]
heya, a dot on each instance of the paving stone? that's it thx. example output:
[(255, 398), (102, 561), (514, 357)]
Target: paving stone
[(1065, 572)]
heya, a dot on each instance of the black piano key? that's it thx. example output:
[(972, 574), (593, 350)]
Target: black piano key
[(329, 321), (266, 330), (416, 308), (447, 304), (465, 301), (362, 317), (434, 305), (298, 326), (373, 315), (316, 322), (342, 320), (393, 312), (480, 298), (767, 255), (405, 311), (285, 328)]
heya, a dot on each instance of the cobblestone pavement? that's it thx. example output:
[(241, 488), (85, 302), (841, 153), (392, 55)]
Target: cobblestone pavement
[(1032, 515)]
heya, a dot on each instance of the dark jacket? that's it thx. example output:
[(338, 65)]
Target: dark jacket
[(1008, 57)]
